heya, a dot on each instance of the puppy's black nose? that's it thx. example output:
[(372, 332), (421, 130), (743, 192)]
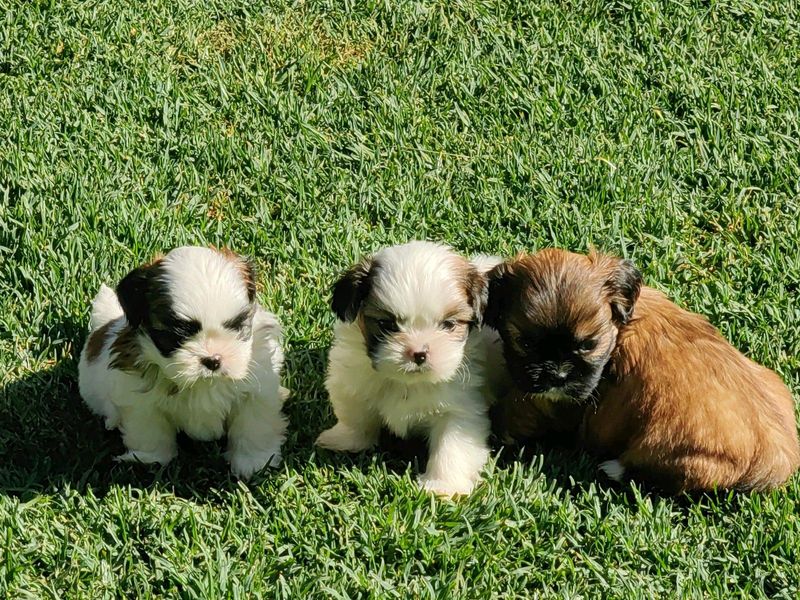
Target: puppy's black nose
[(420, 357), (212, 363)]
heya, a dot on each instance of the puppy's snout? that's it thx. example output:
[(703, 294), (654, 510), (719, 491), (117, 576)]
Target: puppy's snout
[(212, 363), (557, 374), (418, 355)]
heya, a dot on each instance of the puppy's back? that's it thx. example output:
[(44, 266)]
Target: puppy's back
[(685, 407), (105, 308)]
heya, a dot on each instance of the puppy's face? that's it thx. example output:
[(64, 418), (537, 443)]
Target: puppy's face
[(415, 305), (193, 311), (559, 314)]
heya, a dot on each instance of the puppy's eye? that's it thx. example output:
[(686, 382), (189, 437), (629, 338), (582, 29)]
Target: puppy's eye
[(449, 324), (238, 322), (586, 346), (188, 327), (183, 327), (388, 325)]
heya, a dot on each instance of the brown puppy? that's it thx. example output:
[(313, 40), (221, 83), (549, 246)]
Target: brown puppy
[(664, 395)]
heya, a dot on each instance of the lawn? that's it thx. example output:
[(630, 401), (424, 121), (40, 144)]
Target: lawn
[(305, 134)]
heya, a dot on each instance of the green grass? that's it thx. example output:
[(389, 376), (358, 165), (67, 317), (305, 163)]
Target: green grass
[(306, 134)]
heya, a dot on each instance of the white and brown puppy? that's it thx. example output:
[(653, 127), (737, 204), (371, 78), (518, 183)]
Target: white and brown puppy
[(183, 345), (409, 353)]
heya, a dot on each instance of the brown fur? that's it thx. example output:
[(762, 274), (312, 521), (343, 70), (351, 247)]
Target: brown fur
[(125, 350), (245, 267), (473, 284), (94, 345), (687, 406), (531, 417), (678, 404)]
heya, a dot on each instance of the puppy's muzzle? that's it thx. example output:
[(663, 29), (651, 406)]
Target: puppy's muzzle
[(418, 356), (212, 363)]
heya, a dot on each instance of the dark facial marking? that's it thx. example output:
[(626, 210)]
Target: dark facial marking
[(242, 323), (145, 299), (376, 329), (169, 332), (544, 358), (548, 312)]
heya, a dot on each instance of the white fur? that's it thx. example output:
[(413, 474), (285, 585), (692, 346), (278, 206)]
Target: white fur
[(448, 401), (485, 262), (613, 469), (173, 394)]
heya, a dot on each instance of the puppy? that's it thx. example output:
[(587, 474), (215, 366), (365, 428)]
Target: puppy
[(184, 345), (409, 353), (659, 390)]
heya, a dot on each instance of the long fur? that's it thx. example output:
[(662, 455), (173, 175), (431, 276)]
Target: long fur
[(684, 408), (677, 404), (149, 396), (372, 382)]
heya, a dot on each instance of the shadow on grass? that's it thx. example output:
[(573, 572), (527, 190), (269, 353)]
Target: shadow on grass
[(50, 441), (564, 462)]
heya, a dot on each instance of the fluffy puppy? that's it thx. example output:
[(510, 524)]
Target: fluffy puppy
[(184, 345), (663, 394), (409, 353)]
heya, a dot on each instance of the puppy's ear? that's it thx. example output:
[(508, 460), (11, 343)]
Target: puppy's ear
[(132, 292), (245, 266), (476, 286), (499, 282), (350, 291), (249, 276), (623, 285)]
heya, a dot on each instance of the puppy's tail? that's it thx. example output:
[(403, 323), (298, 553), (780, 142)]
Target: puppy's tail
[(485, 262), (105, 308)]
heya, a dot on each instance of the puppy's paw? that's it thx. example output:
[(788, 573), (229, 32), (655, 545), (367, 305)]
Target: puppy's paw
[(112, 422), (446, 488), (613, 469), (342, 438), (245, 464), (145, 457)]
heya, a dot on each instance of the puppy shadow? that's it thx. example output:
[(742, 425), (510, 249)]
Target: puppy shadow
[(309, 413), (562, 461), (50, 441), (559, 460)]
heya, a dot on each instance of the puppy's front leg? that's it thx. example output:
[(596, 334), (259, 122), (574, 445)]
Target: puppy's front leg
[(357, 429), (458, 451), (256, 430), (148, 435)]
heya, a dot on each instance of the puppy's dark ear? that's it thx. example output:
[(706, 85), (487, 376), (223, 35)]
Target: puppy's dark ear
[(499, 282), (132, 292), (623, 287), (249, 277), (350, 291), (476, 285)]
